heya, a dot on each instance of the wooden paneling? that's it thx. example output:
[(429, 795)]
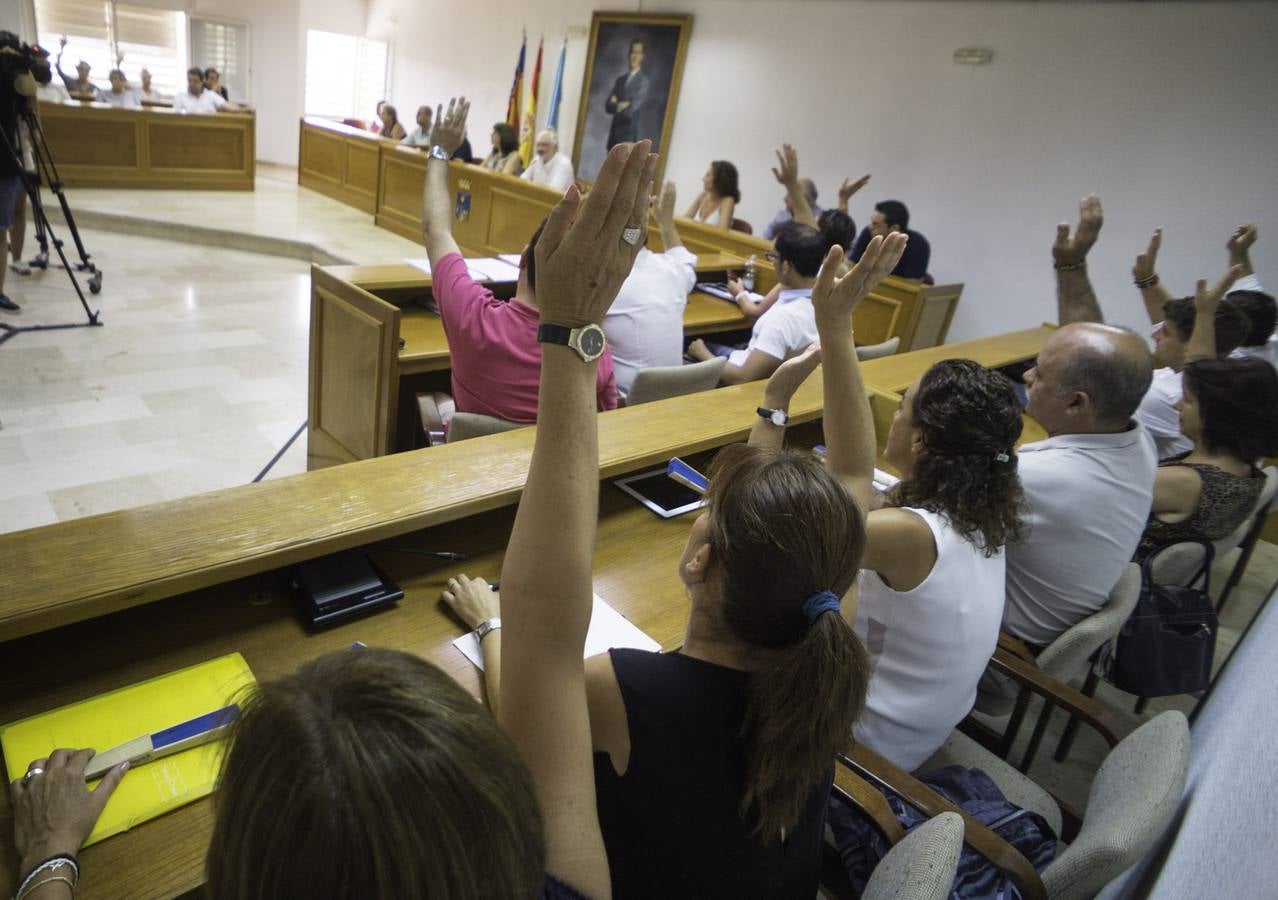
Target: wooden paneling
[(362, 173), (320, 157), (936, 311), (354, 381), (100, 146), (399, 193), (876, 319), (340, 162), (896, 373)]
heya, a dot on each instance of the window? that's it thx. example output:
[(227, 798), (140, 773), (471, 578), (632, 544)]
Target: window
[(223, 46), (99, 31), (345, 75)]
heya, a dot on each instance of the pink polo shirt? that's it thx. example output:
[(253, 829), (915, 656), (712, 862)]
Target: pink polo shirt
[(493, 344)]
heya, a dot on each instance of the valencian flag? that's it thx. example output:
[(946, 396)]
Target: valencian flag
[(512, 107), (557, 90), (529, 132)]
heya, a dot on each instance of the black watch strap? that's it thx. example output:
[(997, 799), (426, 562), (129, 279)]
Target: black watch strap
[(554, 334)]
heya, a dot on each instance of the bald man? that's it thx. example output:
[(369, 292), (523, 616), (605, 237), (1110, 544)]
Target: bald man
[(549, 166), (787, 214)]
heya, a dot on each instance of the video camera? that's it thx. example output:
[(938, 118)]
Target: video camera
[(19, 60)]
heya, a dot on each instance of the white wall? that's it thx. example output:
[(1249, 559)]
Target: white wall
[(1167, 109)]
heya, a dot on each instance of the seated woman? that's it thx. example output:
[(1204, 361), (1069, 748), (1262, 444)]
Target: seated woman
[(719, 196), (932, 586), (391, 128), (713, 764), (1229, 409), (504, 157), (370, 773)]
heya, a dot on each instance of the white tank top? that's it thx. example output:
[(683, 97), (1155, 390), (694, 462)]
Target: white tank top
[(928, 647)]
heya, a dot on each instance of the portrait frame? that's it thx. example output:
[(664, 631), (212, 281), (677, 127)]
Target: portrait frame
[(665, 39)]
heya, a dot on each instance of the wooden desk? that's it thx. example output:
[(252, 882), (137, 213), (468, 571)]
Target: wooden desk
[(896, 373), (160, 587), (363, 382), (95, 145), (497, 213)]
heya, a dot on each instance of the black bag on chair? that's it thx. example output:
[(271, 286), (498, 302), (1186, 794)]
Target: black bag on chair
[(1168, 644)]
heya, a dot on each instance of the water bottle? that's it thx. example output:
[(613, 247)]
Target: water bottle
[(748, 281)]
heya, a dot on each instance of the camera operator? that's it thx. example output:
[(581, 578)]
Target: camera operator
[(21, 68)]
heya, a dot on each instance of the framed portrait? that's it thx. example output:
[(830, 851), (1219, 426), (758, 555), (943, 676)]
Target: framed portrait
[(633, 70)]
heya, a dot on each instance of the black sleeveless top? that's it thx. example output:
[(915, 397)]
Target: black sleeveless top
[(670, 824)]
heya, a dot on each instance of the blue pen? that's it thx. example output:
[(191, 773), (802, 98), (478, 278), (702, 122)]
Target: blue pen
[(184, 735)]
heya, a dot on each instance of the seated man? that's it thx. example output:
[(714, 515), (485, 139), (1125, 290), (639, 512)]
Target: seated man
[(1173, 320), (199, 99), (549, 166), (645, 323), (496, 357), (789, 325), (121, 94), (1089, 486), (890, 216), (420, 136), (809, 188), (79, 87)]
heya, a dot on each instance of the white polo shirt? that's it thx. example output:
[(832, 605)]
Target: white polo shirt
[(645, 324), (207, 102), (1158, 413), (1087, 498), (785, 330), (129, 98), (556, 174)]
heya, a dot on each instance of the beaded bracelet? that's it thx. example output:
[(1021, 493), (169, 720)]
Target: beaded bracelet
[(1071, 267), (62, 859), (43, 881), (1151, 281)]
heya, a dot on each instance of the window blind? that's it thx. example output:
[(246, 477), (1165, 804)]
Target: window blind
[(345, 75), (223, 46)]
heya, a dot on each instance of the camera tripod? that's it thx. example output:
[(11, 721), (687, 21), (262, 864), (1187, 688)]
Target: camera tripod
[(47, 171)]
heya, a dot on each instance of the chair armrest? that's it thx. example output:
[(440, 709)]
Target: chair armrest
[(867, 800), (1076, 703), (431, 409), (1002, 855), (1015, 646)]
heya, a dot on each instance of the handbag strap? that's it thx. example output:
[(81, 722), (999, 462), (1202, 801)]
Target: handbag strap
[(1204, 571)]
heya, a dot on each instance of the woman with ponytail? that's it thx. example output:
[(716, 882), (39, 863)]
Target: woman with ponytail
[(932, 587), (713, 765)]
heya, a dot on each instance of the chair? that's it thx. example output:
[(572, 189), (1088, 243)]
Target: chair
[(742, 225), (661, 382), (1132, 800), (465, 426), (874, 351), (937, 304), (1246, 535), (921, 867), (1070, 652)]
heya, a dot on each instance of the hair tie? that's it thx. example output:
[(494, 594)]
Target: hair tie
[(1002, 457), (819, 603)]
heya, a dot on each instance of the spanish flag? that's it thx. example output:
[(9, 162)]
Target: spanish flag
[(529, 133), (512, 107)]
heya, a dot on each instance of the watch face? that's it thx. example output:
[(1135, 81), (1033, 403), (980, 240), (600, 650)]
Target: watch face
[(591, 341), (778, 417)]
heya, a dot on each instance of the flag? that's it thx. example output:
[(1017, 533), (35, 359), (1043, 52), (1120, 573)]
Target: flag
[(557, 90), (529, 133), (512, 107)]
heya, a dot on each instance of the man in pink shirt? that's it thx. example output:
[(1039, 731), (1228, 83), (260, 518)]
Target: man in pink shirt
[(496, 358)]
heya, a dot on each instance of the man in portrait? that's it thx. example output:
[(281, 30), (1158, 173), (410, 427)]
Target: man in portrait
[(627, 98)]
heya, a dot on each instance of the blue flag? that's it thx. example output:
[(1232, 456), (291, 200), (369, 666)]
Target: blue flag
[(556, 92)]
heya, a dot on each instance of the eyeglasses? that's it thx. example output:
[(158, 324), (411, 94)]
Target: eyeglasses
[(772, 257)]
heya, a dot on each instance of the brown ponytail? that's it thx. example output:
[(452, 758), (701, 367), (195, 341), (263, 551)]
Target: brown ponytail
[(784, 529)]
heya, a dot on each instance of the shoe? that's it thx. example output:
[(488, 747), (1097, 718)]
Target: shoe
[(6, 303), (20, 267)]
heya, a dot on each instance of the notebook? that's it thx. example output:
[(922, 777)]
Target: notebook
[(104, 721)]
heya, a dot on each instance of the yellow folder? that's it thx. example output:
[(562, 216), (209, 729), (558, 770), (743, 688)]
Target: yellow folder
[(102, 722)]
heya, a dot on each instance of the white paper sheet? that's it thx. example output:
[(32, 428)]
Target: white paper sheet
[(492, 268), (608, 629), (510, 258), (423, 264)]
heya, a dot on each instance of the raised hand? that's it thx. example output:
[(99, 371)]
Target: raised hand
[(582, 256), (1242, 239), (1206, 300), (449, 128), (787, 170), (789, 376), (850, 187), (1072, 251), (1146, 266), (835, 298), (665, 203)]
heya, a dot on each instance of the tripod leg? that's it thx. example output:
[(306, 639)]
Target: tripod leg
[(50, 168)]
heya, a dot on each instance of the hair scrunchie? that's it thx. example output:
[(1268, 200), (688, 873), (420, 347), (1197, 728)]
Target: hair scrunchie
[(819, 603)]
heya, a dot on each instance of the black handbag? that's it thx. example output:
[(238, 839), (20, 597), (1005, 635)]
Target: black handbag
[(1167, 645)]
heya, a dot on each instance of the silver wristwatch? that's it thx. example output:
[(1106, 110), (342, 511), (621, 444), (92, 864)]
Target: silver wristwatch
[(486, 626), (438, 152), (777, 417)]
